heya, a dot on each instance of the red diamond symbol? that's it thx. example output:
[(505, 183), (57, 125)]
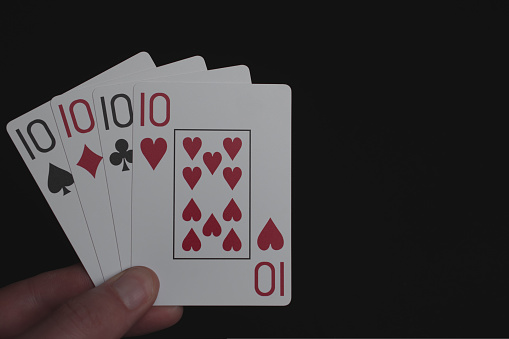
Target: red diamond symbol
[(89, 161)]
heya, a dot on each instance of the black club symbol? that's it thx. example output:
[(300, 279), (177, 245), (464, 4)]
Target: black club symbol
[(122, 154)]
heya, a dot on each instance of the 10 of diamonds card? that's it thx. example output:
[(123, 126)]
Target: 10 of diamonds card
[(211, 192)]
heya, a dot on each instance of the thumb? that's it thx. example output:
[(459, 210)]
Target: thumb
[(107, 311)]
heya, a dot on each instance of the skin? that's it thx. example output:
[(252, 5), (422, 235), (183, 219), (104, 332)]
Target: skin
[(64, 304)]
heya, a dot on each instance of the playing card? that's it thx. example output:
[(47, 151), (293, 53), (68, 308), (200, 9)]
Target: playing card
[(114, 111), (36, 137), (75, 118), (211, 206)]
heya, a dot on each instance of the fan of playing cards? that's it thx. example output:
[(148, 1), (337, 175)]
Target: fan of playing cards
[(178, 168)]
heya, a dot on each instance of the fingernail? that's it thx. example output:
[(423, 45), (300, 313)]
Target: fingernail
[(133, 287)]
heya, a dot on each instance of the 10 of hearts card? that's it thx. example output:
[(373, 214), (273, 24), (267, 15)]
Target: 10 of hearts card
[(178, 168)]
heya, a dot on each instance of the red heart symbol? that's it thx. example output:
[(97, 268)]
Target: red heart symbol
[(270, 235), (212, 161), (232, 146), (192, 146), (211, 227), (192, 175), (232, 177), (191, 241), (191, 212), (232, 211), (153, 151), (232, 241)]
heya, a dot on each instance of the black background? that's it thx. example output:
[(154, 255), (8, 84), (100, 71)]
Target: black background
[(399, 149)]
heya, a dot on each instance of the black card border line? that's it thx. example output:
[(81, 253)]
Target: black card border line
[(174, 173)]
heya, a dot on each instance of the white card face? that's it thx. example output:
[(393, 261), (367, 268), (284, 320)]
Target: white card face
[(114, 111), (211, 203), (76, 123), (37, 139)]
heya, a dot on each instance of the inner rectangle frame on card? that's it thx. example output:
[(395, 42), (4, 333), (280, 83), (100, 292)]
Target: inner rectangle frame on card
[(174, 189)]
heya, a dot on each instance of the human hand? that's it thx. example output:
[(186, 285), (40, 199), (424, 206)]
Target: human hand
[(64, 304)]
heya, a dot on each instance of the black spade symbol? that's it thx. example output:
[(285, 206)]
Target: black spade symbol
[(58, 179), (122, 154)]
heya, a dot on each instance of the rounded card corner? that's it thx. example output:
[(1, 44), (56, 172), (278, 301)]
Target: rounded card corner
[(8, 126), (287, 302), (201, 60), (144, 54), (286, 88)]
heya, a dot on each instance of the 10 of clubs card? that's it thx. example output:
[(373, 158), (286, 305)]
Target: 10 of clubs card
[(211, 203)]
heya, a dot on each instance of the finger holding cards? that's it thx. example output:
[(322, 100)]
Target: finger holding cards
[(212, 174)]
